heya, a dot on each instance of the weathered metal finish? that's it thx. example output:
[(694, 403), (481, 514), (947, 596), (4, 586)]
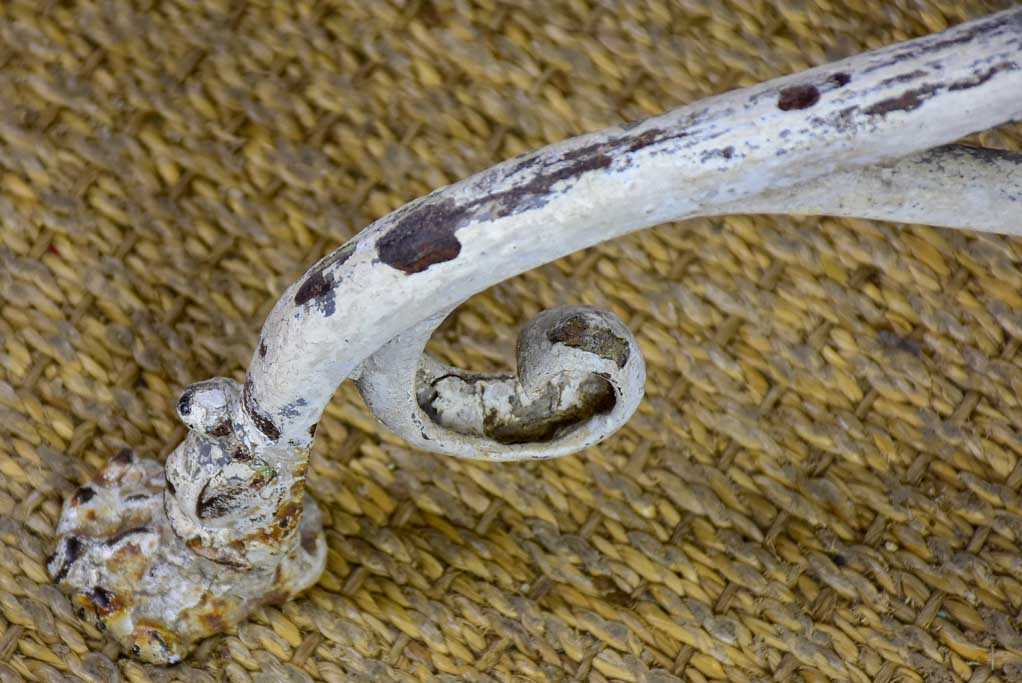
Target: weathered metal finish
[(162, 558)]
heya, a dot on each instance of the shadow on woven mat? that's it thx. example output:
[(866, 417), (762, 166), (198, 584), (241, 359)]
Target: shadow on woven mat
[(822, 483)]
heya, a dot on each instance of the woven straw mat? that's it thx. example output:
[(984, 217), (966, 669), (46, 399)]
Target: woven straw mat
[(822, 483)]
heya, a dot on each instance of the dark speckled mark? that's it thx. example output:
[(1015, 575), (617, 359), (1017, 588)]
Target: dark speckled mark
[(261, 420), (986, 28), (798, 97), (72, 551), (312, 429), (840, 79), (645, 139), (724, 153), (983, 77), (184, 404), (577, 332), (262, 349), (293, 408), (318, 284), (902, 78), (83, 495)]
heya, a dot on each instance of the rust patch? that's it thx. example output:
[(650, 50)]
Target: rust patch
[(104, 601), (907, 101), (312, 429), (576, 332), (798, 97), (423, 237), (423, 233), (316, 285), (221, 429)]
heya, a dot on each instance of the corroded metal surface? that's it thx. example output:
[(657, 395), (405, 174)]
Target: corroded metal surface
[(161, 560), (156, 590)]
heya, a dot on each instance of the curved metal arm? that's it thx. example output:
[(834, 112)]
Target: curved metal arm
[(233, 528)]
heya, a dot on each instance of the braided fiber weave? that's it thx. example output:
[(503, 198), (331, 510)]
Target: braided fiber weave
[(823, 482)]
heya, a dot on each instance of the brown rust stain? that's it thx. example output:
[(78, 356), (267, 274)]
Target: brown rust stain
[(103, 601), (423, 238), (798, 97), (907, 101), (578, 332), (915, 97), (423, 233), (221, 429)]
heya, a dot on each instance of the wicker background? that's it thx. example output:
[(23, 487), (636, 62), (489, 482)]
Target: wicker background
[(822, 483)]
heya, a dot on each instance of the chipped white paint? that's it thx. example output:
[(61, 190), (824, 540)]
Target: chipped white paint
[(235, 527)]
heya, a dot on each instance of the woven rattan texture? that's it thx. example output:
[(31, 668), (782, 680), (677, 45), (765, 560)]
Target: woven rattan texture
[(823, 482)]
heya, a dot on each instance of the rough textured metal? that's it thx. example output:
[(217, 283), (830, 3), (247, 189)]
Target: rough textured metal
[(163, 562)]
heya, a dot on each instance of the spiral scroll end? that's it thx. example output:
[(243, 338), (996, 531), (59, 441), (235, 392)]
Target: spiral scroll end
[(580, 377)]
